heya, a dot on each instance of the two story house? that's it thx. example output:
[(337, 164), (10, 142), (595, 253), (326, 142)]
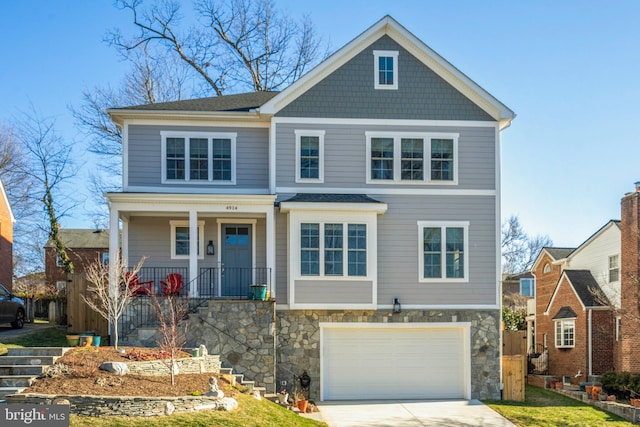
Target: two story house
[(586, 314), (6, 239), (365, 196)]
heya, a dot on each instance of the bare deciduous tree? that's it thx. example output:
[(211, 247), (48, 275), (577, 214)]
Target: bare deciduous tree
[(111, 299), (519, 250), (171, 310)]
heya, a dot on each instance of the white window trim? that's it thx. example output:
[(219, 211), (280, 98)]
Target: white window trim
[(533, 289), (376, 68), (555, 332), (369, 219), (61, 285), (185, 223), (209, 136), (443, 225), (397, 157), (609, 269), (320, 135)]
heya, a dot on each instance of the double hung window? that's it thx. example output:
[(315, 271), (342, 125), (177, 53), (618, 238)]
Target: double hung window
[(180, 239), (322, 249), (614, 268), (527, 287), (565, 333), (198, 157), (410, 158), (443, 251), (309, 155)]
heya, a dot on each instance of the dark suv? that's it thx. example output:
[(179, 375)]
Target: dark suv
[(11, 309)]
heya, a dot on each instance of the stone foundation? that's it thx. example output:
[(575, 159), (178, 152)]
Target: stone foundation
[(299, 342)]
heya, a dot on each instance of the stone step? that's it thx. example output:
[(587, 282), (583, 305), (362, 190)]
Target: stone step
[(226, 371), (28, 360), (5, 391), (16, 380), (261, 390), (239, 378), (37, 351), (22, 369)]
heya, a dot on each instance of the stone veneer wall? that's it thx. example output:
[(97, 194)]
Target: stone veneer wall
[(124, 405), (299, 342)]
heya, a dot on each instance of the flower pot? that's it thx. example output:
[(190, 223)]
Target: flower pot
[(603, 397), (559, 385), (635, 403), (283, 398), (552, 384), (588, 389), (611, 398), (302, 405), (85, 340), (259, 292), (96, 340), (72, 340), (595, 391)]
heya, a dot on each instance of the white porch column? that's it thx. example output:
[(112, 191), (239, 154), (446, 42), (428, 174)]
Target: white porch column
[(271, 248), (193, 253)]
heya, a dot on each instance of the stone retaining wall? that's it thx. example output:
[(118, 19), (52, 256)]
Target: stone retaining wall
[(124, 405), (299, 342), (190, 365), (622, 410)]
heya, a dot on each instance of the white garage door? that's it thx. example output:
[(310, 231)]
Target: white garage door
[(394, 363)]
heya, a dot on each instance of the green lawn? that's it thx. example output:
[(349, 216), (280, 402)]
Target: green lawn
[(250, 413), (546, 408), (49, 337)]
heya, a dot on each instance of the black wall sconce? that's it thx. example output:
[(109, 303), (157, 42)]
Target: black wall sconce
[(397, 308), (211, 250)]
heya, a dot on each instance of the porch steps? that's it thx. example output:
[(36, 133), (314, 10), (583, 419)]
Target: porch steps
[(239, 379), (21, 366)]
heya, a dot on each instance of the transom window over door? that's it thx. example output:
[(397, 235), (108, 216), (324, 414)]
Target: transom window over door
[(443, 253), (408, 158), (309, 156), (198, 157)]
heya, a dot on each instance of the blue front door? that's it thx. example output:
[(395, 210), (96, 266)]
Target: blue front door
[(237, 271)]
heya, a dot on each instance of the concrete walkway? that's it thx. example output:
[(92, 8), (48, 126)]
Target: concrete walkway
[(450, 413)]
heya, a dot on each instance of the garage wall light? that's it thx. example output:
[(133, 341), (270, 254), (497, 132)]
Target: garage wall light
[(397, 308)]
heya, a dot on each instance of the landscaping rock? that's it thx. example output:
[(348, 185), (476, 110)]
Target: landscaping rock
[(228, 404), (118, 368)]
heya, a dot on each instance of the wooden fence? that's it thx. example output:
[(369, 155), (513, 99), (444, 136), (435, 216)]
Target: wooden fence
[(514, 364), (80, 317)]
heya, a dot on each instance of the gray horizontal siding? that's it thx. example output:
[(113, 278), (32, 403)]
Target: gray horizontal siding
[(421, 94), (398, 250), (151, 237), (337, 292), (282, 258), (345, 154), (145, 164)]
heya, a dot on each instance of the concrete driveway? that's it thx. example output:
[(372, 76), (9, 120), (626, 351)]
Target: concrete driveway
[(449, 413)]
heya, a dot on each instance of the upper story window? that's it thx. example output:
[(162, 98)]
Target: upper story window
[(309, 155), (104, 256), (322, 249), (385, 69), (614, 268), (565, 333), (198, 157), (527, 287), (180, 239), (618, 328), (59, 262), (547, 268), (444, 255), (408, 158)]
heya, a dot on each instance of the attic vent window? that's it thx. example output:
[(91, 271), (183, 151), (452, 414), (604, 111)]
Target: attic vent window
[(547, 268), (385, 69)]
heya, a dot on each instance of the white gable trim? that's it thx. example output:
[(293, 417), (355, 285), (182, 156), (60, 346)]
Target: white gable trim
[(6, 200), (413, 45), (555, 291)]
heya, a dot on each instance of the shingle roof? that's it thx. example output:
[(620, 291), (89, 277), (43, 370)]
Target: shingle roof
[(239, 102), (80, 238), (559, 253), (331, 198), (587, 288), (565, 313)]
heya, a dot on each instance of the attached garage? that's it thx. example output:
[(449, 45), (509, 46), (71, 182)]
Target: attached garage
[(395, 361)]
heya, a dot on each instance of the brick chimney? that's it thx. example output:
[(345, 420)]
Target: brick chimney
[(629, 356)]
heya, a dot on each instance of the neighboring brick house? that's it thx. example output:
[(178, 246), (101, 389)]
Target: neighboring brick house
[(83, 246), (587, 314), (364, 197), (6, 240)]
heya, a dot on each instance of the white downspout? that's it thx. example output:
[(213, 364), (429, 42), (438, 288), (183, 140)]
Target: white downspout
[(590, 345)]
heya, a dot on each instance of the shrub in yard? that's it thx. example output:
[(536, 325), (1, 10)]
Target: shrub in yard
[(623, 384)]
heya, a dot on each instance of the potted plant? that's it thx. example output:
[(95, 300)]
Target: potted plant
[(283, 396), (611, 398), (301, 401)]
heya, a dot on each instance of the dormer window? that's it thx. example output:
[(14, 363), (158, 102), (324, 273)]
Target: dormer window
[(386, 69)]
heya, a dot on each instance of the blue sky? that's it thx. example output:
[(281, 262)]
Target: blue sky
[(568, 69)]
